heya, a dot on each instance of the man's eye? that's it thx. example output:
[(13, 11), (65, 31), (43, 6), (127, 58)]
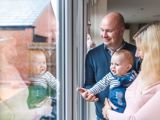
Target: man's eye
[(102, 29), (110, 31)]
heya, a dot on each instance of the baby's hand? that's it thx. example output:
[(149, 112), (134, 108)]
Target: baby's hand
[(88, 96), (83, 92)]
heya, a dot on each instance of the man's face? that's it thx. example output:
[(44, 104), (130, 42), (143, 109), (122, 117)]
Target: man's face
[(111, 33)]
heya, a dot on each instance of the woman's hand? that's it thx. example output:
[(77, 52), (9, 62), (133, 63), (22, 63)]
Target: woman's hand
[(108, 105), (87, 95), (106, 108)]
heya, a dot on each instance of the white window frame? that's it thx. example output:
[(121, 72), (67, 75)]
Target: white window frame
[(71, 17)]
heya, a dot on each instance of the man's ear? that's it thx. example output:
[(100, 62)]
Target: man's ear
[(122, 29)]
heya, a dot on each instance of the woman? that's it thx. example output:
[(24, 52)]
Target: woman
[(13, 90), (143, 96)]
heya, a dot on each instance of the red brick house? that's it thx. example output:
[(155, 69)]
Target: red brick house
[(32, 23)]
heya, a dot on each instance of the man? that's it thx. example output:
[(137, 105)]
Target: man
[(98, 59)]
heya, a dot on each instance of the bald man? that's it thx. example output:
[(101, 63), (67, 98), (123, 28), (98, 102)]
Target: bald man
[(98, 59)]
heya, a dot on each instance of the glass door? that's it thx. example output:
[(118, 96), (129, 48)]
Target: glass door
[(28, 60)]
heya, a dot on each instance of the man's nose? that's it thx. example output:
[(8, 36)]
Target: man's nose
[(105, 34)]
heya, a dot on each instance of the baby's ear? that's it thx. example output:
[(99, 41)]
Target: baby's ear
[(129, 66)]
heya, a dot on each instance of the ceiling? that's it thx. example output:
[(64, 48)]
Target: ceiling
[(136, 11)]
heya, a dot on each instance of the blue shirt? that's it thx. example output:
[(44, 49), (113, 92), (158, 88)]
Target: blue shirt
[(97, 65)]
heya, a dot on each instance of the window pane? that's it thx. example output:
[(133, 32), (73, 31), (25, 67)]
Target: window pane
[(27, 60)]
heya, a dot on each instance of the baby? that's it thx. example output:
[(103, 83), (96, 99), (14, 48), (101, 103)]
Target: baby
[(43, 83), (120, 77)]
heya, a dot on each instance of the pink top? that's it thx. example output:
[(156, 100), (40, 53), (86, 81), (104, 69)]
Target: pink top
[(141, 105)]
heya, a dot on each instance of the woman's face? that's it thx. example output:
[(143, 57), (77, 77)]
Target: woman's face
[(139, 53), (9, 49)]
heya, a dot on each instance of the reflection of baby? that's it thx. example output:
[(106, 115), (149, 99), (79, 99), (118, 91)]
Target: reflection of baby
[(120, 77), (43, 83)]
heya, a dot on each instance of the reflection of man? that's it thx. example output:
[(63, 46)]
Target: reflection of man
[(90, 43), (98, 59)]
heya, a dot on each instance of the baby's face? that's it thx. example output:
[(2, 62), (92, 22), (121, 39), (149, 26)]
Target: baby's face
[(119, 65), (38, 64)]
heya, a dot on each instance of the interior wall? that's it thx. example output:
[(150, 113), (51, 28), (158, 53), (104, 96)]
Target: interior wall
[(97, 10), (133, 29)]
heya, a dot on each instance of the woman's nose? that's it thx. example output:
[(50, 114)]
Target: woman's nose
[(137, 54)]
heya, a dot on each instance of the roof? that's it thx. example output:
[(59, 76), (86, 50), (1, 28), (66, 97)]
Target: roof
[(20, 12)]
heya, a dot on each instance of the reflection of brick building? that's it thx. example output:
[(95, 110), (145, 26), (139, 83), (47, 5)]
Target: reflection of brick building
[(32, 23)]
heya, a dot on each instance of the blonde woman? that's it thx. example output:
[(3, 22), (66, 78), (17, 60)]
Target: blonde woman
[(13, 90), (143, 96)]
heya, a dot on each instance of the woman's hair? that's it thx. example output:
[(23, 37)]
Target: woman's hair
[(148, 39)]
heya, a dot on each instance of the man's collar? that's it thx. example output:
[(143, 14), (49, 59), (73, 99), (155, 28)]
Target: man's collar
[(112, 51)]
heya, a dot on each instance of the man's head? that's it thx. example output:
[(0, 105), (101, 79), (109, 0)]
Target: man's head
[(112, 29), (121, 62), (37, 62)]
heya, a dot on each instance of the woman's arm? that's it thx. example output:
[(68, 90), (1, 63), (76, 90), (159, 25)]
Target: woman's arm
[(149, 111)]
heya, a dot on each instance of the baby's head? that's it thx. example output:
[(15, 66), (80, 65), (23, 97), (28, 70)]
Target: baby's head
[(121, 62), (37, 62)]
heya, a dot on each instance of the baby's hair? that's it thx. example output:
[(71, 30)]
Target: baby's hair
[(36, 52), (126, 54)]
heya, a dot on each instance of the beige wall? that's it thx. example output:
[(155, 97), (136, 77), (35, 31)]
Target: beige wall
[(97, 11)]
